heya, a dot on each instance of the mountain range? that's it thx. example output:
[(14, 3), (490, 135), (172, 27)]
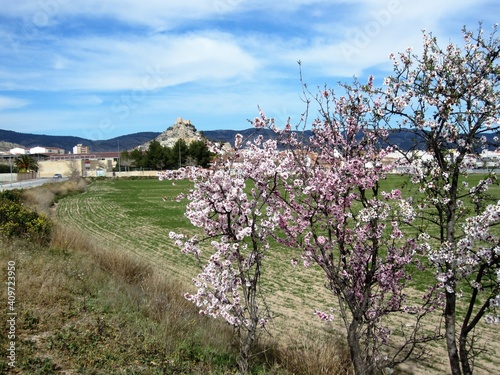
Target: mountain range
[(10, 139), (403, 139), (67, 143)]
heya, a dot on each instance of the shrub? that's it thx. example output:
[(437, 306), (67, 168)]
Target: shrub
[(14, 195), (18, 221)]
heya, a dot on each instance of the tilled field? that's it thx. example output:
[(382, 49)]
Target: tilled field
[(137, 215)]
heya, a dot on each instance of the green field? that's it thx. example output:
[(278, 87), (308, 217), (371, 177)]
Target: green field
[(132, 216), (137, 215)]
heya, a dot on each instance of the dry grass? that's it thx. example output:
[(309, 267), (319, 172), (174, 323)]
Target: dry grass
[(125, 266), (161, 299), (77, 312), (43, 198), (158, 294), (314, 354)]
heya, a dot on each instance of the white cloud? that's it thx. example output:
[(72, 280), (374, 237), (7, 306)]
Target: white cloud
[(10, 103), (85, 100), (334, 44), (343, 47), (99, 63), (212, 61)]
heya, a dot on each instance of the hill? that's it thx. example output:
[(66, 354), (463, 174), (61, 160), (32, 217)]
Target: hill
[(13, 139), (182, 129), (402, 138), (28, 140)]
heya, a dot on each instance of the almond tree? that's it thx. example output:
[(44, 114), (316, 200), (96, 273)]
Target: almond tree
[(333, 209), (325, 195), (449, 99), (230, 204)]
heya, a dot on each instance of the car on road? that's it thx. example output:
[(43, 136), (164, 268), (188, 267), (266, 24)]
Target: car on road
[(57, 176)]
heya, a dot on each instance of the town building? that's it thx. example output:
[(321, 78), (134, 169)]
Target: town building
[(19, 151), (80, 149), (87, 165), (46, 150)]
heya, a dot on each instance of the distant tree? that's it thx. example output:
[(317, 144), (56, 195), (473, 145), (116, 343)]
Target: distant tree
[(200, 154), (74, 169), (155, 156), (5, 168), (138, 158), (179, 153), (26, 163), (126, 160)]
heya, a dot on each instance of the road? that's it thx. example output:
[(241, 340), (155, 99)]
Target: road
[(5, 185)]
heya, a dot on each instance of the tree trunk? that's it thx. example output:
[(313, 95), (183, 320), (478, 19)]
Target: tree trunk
[(356, 351), (450, 331), (464, 357), (451, 297), (246, 343), (243, 362)]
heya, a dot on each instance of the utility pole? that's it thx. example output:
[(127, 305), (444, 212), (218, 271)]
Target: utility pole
[(119, 166), (10, 163)]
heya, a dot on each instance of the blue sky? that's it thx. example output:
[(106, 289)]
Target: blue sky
[(100, 69)]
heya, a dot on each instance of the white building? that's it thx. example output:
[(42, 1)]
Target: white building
[(46, 150), (19, 151)]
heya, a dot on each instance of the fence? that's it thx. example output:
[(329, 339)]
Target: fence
[(26, 176), (8, 177)]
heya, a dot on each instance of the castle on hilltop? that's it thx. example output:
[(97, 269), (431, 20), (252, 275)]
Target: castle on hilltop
[(182, 129)]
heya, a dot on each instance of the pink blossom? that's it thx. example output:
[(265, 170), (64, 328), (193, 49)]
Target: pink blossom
[(326, 317)]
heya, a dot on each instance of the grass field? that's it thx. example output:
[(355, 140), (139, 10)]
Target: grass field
[(132, 216)]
